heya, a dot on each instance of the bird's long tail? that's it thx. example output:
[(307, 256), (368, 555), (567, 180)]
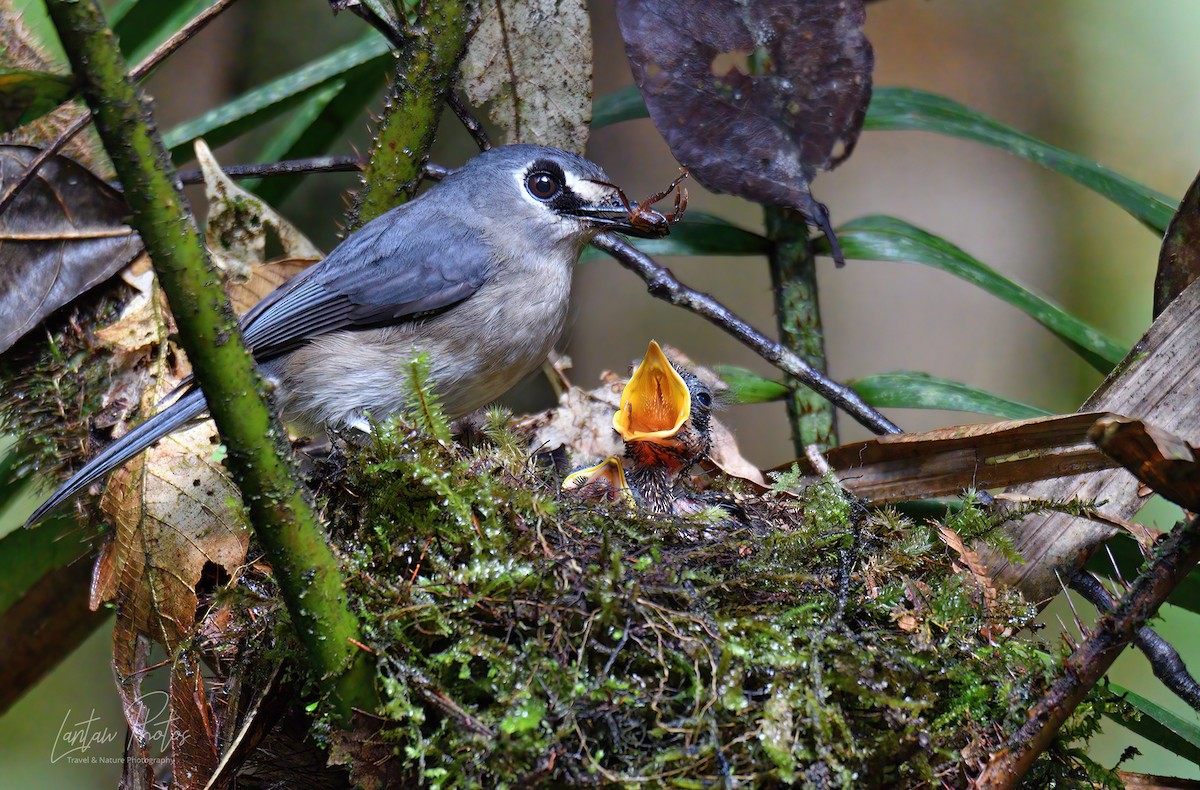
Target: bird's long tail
[(179, 413)]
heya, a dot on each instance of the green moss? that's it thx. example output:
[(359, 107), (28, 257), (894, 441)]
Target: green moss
[(54, 383), (527, 638)]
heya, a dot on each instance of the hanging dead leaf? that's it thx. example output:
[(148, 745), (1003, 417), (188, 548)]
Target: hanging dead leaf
[(1179, 257), (533, 61), (193, 726), (236, 234), (63, 234), (753, 96), (174, 512), (1160, 460)]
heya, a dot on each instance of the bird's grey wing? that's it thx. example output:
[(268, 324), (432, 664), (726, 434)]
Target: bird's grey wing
[(386, 272)]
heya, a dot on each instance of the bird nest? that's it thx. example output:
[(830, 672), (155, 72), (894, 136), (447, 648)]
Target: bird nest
[(523, 636)]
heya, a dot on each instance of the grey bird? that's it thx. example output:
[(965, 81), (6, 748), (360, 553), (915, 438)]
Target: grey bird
[(475, 273)]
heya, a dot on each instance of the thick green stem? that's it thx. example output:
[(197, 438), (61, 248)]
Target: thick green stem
[(428, 64), (794, 278), (259, 459)]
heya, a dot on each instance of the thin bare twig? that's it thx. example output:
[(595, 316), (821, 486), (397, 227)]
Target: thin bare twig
[(1177, 554), (469, 121), (139, 71), (181, 37), (662, 284), (1164, 659), (288, 167)]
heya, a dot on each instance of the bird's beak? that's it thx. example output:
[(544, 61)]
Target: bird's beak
[(612, 212), (605, 480), (655, 403), (648, 224)]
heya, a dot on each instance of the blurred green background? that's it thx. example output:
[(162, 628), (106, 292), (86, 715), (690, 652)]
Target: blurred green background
[(1114, 81)]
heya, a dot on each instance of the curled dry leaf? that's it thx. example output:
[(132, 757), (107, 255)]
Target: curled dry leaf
[(970, 563), (581, 423), (193, 725), (63, 234), (533, 61), (1162, 461), (174, 512), (236, 235), (759, 131)]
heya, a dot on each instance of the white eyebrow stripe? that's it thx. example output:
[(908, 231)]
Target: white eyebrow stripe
[(590, 191)]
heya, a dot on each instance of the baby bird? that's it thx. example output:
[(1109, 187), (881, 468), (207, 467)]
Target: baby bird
[(663, 417)]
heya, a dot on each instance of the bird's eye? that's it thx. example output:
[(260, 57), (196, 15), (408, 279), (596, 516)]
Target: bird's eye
[(704, 399), (543, 186)]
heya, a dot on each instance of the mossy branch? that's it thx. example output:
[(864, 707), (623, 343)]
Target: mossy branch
[(258, 459), (798, 313), (428, 53), (1175, 557)]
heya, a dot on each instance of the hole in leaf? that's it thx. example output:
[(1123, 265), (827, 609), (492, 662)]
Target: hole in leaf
[(736, 60)]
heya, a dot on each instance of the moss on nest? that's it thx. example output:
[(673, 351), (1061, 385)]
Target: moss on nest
[(527, 638)]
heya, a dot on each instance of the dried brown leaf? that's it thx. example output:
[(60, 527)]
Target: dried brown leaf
[(581, 423), (759, 132), (174, 511), (1179, 257), (906, 466), (142, 325), (1157, 382), (533, 61), (968, 559), (236, 234), (62, 235), (193, 729), (265, 278), (1159, 459)]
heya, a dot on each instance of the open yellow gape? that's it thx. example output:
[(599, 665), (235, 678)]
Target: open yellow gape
[(655, 403)]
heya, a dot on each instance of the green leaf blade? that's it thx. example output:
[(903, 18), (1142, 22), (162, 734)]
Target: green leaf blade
[(144, 24), (907, 109), (315, 127), (622, 105), (906, 389), (256, 107), (881, 238), (26, 96), (746, 387), (1171, 731)]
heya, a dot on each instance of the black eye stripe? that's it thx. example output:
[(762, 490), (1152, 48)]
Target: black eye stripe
[(566, 201)]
